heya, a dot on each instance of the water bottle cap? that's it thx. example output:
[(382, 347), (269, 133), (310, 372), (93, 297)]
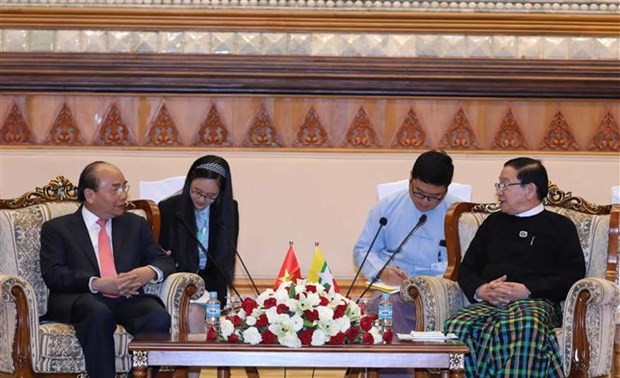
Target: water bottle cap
[(385, 296), (213, 294)]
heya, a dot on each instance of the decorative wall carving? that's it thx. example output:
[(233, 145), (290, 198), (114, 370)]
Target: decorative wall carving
[(113, 131), (500, 6), (15, 130), (311, 133), (559, 136), (361, 133), (380, 122), (411, 134), (64, 130), (607, 137), (212, 131), (460, 136), (509, 136), (262, 132), (163, 131)]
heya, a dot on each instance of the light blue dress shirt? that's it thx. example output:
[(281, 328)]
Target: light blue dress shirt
[(202, 232), (422, 254)]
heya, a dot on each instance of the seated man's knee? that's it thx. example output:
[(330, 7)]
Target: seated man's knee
[(157, 322)]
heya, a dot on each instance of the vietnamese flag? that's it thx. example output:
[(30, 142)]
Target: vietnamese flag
[(290, 271), (319, 271)]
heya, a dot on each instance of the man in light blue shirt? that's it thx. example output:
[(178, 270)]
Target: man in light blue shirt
[(424, 253)]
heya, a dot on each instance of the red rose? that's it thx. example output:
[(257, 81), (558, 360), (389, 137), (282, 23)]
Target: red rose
[(282, 309), (211, 334), (311, 288), (337, 339), (262, 320), (233, 338), (366, 323), (305, 336), (339, 311), (324, 301), (236, 320), (311, 315), (373, 316), (270, 302), (352, 333), (387, 336), (268, 337), (248, 305), (367, 339)]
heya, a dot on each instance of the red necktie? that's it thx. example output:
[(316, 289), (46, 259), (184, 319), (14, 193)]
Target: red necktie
[(106, 259)]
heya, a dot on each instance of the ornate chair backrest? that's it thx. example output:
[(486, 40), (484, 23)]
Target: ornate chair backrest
[(596, 225), (21, 220)]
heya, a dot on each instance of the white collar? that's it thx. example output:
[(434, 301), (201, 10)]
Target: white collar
[(89, 217), (533, 211)]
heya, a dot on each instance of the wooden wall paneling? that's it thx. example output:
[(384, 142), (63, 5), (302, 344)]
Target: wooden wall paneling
[(291, 75), (349, 123), (312, 20)]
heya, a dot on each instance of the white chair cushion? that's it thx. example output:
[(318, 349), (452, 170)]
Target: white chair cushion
[(162, 189)]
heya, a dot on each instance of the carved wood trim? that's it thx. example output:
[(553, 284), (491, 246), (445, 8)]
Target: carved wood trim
[(311, 20), (235, 74), (560, 198), (152, 213), (614, 240), (581, 346), (21, 343), (61, 189), (58, 189)]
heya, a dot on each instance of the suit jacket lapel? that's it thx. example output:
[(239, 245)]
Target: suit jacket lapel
[(80, 232), (120, 231)]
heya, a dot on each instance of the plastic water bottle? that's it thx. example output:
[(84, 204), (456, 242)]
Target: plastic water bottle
[(213, 312), (385, 313)]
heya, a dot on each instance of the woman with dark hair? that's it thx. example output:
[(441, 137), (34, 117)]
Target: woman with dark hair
[(204, 211)]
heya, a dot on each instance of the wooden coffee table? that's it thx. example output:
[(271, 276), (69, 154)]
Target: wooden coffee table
[(192, 350)]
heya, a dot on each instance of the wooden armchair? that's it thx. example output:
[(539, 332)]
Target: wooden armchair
[(29, 348), (587, 335)]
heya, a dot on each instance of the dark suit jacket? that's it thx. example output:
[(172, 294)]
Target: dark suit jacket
[(174, 236), (68, 259)]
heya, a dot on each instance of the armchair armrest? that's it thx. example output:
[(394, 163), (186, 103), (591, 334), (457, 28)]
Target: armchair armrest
[(176, 292), (589, 326), (19, 321), (435, 300)]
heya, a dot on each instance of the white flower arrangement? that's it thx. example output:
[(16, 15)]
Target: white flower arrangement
[(298, 314)]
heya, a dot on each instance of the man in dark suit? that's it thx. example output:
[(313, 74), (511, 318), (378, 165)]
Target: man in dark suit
[(95, 263)]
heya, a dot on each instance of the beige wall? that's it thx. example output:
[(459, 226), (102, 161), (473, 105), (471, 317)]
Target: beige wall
[(300, 196)]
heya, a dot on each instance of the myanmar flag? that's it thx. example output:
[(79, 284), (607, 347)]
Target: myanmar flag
[(290, 270), (319, 271)]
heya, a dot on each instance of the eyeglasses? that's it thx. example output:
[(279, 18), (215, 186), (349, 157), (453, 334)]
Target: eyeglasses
[(420, 195), (121, 189), (501, 186), (205, 196)]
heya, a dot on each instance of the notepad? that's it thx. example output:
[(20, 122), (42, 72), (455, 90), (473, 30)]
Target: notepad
[(432, 336), (384, 288)]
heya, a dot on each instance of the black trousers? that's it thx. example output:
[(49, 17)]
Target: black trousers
[(95, 318)]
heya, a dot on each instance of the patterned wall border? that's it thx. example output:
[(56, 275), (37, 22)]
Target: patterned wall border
[(310, 123), (557, 6), (311, 44)]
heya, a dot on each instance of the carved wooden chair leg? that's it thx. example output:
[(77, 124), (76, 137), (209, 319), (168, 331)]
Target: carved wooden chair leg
[(179, 372), (251, 372)]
